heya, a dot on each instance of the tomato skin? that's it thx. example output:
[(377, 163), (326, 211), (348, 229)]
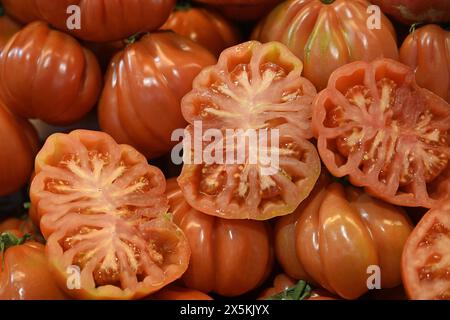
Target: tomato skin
[(229, 257), (427, 51), (8, 27), (35, 281), (24, 226), (36, 87), (124, 109), (24, 11), (414, 11), (19, 144), (319, 35), (203, 26), (337, 233), (173, 292)]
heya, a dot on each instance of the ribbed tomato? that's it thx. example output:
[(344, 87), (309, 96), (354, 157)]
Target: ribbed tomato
[(427, 51), (19, 144), (203, 26), (173, 292), (140, 104), (23, 10), (8, 27), (46, 74), (336, 234), (327, 34), (229, 257), (23, 225), (389, 135), (102, 210)]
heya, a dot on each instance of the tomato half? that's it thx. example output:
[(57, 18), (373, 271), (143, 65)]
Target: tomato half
[(145, 81), (46, 74), (102, 209), (203, 26), (229, 257), (173, 292), (427, 51), (24, 271), (327, 34), (8, 27), (376, 125), (336, 234), (254, 89), (425, 260)]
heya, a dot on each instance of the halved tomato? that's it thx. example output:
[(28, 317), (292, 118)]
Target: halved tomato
[(376, 125), (102, 210), (254, 89), (426, 257)]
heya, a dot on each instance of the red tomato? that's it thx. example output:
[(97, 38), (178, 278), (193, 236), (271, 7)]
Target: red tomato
[(376, 125), (146, 80), (23, 10), (46, 74), (24, 272), (256, 87), (427, 51), (8, 27), (334, 236), (412, 11), (425, 267), (24, 226), (328, 34), (203, 26), (173, 292), (229, 257), (18, 144), (102, 208)]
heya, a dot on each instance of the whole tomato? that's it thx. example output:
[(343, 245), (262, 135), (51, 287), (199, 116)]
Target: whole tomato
[(229, 257), (140, 103), (23, 10), (24, 272), (23, 225), (173, 292), (327, 34), (335, 235), (19, 144), (242, 10), (427, 51), (46, 74), (8, 27), (203, 26), (412, 11)]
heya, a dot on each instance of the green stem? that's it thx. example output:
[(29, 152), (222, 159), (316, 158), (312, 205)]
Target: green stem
[(328, 1), (300, 291), (8, 240)]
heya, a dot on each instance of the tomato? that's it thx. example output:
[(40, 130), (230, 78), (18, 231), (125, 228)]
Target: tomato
[(203, 26), (412, 11), (18, 144), (334, 236), (24, 272), (327, 34), (425, 267), (242, 10), (46, 74), (23, 225), (102, 209), (23, 10), (8, 27), (427, 51), (229, 257), (257, 87), (146, 80), (173, 292), (376, 125)]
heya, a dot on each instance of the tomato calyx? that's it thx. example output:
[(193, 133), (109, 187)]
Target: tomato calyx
[(300, 291), (8, 240), (327, 1)]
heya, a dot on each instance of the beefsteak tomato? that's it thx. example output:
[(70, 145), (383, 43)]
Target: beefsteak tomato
[(173, 292), (376, 125), (140, 103), (102, 210), (229, 257), (46, 74), (427, 51), (327, 34), (24, 11), (8, 27)]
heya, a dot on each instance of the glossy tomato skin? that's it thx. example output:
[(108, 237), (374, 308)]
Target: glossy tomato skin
[(145, 81), (325, 38), (203, 26), (389, 135), (427, 51), (424, 259), (416, 11), (24, 226), (335, 235), (19, 144), (229, 257), (102, 208), (46, 74), (24, 11), (25, 274), (173, 292), (8, 27)]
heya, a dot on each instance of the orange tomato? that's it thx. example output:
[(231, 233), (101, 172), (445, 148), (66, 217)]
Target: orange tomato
[(23, 10), (8, 27), (173, 292)]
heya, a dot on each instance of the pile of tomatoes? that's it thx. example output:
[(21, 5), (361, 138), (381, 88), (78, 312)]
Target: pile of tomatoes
[(92, 91)]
